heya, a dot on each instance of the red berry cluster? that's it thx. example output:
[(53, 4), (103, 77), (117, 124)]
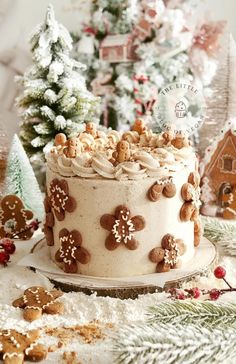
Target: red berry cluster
[(7, 247), (33, 226), (214, 294), (183, 294)]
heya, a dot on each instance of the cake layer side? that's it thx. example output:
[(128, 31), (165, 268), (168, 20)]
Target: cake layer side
[(97, 197)]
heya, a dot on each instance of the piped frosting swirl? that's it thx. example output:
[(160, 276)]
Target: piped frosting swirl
[(96, 157)]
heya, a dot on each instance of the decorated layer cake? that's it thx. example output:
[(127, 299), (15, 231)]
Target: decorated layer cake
[(122, 204)]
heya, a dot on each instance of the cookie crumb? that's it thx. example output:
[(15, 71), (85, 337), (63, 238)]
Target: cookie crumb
[(52, 348), (70, 357), (89, 333), (60, 344)]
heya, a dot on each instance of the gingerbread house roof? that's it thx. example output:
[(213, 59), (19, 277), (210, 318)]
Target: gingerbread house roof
[(116, 40), (214, 151)]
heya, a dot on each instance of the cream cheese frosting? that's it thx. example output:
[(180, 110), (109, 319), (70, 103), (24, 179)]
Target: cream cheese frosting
[(95, 161), (138, 173)]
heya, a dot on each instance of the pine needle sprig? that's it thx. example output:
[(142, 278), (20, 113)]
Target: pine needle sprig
[(174, 344), (221, 232), (209, 314)]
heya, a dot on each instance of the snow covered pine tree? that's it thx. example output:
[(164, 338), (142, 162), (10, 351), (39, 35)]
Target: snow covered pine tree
[(55, 97), (21, 181)]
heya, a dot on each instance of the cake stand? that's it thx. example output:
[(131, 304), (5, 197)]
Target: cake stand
[(201, 264)]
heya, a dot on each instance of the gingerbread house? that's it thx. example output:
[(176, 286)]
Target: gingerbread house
[(143, 29), (218, 171), (118, 48)]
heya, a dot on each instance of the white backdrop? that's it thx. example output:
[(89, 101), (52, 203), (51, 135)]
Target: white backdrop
[(18, 18)]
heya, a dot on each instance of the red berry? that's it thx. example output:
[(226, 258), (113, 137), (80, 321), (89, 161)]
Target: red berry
[(34, 225), (195, 292), (4, 257), (214, 294), (219, 272), (8, 245), (180, 295)]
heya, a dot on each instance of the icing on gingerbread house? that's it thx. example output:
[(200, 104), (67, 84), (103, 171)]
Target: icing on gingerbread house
[(218, 171), (118, 48)]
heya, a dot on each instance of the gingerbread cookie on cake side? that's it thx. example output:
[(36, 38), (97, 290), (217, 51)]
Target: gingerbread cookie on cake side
[(123, 205)]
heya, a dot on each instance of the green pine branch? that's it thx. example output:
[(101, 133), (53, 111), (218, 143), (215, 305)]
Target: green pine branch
[(208, 314), (221, 232), (174, 344)]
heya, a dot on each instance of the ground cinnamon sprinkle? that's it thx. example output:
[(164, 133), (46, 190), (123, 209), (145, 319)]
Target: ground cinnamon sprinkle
[(88, 333)]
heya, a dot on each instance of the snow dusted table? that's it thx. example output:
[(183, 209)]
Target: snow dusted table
[(90, 321)]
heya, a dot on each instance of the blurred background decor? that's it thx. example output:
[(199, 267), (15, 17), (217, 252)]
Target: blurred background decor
[(19, 17), (132, 48), (143, 46)]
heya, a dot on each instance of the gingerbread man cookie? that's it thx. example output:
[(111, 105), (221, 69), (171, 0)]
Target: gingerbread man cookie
[(169, 134), (73, 148), (59, 144), (139, 126), (49, 222), (71, 251), (122, 228), (167, 256), (122, 153), (162, 187), (37, 300), (180, 141), (91, 129), (190, 193), (60, 140), (14, 217), (59, 198), (16, 346)]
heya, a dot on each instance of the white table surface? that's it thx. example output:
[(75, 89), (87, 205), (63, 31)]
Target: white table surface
[(82, 309)]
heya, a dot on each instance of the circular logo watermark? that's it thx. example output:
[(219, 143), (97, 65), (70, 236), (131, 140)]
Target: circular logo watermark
[(181, 105)]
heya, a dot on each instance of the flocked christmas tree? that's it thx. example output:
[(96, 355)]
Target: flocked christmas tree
[(55, 97), (21, 181)]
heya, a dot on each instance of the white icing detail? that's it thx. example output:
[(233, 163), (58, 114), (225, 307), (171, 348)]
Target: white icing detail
[(70, 252), (169, 257), (116, 232), (231, 210), (11, 355), (31, 347), (34, 292), (231, 198), (14, 342), (64, 198), (34, 308), (124, 235), (196, 197), (165, 181)]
